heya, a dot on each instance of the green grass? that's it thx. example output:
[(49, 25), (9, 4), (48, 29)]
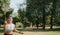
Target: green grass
[(40, 30), (55, 31), (36, 33), (36, 30)]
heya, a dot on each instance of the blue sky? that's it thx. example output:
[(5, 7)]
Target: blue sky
[(16, 4)]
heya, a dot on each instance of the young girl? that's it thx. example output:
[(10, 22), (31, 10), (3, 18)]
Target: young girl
[(9, 27)]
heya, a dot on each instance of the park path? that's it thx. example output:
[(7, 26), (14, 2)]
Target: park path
[(37, 33)]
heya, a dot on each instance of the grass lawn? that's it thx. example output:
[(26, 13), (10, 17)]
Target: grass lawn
[(33, 31), (36, 33)]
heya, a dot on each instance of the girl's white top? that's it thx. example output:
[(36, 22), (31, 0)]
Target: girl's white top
[(9, 27)]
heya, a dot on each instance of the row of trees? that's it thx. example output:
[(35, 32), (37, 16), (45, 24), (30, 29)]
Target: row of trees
[(38, 12)]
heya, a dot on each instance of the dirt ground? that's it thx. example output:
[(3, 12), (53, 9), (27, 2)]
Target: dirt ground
[(37, 33)]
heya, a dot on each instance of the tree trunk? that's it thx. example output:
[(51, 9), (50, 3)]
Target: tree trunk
[(44, 20), (37, 25), (51, 21)]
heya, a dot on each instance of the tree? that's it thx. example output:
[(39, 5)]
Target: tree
[(5, 6), (34, 11), (44, 22), (52, 13)]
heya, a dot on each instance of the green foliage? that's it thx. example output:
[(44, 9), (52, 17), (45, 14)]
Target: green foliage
[(37, 12)]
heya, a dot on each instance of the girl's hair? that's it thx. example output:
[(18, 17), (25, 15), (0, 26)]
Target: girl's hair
[(9, 17)]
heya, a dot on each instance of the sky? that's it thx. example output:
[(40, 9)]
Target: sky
[(17, 4)]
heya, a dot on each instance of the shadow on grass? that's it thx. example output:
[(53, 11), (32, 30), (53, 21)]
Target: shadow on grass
[(40, 30), (1, 31), (37, 30)]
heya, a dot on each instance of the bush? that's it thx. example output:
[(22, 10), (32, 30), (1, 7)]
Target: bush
[(58, 23), (19, 24)]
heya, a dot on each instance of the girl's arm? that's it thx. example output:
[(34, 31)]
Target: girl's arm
[(5, 22), (4, 27), (15, 30)]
